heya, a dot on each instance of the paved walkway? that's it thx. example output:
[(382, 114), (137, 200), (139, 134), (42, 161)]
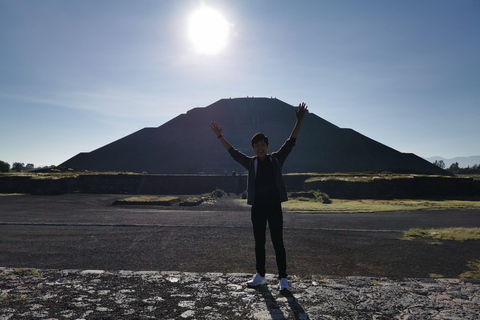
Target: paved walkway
[(96, 294)]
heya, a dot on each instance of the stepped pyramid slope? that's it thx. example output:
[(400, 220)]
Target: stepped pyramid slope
[(186, 144)]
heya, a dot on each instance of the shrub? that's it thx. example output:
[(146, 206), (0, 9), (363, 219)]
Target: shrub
[(195, 201), (322, 197), (217, 193)]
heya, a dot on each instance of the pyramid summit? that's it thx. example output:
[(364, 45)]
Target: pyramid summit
[(186, 144)]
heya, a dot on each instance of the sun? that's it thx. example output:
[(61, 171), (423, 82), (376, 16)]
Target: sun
[(208, 29)]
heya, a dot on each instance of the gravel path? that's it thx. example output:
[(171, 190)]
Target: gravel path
[(97, 294)]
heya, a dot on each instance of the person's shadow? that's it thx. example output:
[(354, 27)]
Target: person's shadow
[(273, 307), (296, 308)]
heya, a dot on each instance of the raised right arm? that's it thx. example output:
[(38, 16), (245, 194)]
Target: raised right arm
[(218, 132), (238, 156)]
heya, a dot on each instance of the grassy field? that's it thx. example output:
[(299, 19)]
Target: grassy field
[(61, 175), (362, 206), (369, 176), (357, 177), (310, 177)]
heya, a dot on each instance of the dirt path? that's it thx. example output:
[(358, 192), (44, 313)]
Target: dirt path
[(82, 231)]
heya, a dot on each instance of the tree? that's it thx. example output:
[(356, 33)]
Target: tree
[(439, 164), (4, 166), (454, 168), (29, 167), (18, 166)]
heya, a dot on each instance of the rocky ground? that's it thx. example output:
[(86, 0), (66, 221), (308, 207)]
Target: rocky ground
[(97, 294)]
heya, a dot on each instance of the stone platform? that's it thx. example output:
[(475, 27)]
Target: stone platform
[(98, 294)]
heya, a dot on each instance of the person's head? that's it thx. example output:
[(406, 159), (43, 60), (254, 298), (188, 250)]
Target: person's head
[(260, 145)]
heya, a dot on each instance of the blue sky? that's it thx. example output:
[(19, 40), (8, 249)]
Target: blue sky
[(76, 75)]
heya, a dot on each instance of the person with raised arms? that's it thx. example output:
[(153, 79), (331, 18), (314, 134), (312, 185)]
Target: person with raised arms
[(265, 192)]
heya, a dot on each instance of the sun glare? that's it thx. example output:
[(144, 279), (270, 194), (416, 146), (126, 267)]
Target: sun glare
[(208, 30)]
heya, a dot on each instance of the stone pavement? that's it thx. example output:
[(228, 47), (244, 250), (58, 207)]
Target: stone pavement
[(97, 294)]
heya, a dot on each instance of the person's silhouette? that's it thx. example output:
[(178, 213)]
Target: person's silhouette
[(266, 192)]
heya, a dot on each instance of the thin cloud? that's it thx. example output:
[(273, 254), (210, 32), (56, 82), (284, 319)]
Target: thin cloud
[(111, 103)]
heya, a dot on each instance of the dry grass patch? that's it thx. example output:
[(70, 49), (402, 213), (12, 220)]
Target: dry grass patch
[(456, 234), (358, 177), (148, 200), (474, 273), (206, 197), (313, 195), (171, 200), (370, 205)]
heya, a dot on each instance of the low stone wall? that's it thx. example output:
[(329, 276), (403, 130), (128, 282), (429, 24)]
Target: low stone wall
[(416, 187), (83, 184), (124, 183)]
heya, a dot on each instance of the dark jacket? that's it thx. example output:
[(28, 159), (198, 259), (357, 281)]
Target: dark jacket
[(250, 163)]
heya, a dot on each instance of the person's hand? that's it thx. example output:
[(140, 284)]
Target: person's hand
[(216, 129), (302, 108)]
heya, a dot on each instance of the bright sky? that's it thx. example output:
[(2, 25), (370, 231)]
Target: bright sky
[(76, 75)]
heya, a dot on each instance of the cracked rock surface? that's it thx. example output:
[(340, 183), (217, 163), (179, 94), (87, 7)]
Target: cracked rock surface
[(98, 294)]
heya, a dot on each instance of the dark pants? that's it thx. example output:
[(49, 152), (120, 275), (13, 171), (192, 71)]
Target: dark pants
[(274, 216)]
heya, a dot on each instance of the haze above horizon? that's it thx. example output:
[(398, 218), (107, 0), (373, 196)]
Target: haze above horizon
[(77, 75)]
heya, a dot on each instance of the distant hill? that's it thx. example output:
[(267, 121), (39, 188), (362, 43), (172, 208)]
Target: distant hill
[(463, 162), (186, 144)]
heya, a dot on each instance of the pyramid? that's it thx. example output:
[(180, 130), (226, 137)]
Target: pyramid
[(187, 145)]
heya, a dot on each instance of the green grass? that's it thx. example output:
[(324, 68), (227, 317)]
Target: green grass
[(456, 234), (12, 194)]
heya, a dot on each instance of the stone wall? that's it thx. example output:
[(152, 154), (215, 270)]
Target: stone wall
[(415, 187)]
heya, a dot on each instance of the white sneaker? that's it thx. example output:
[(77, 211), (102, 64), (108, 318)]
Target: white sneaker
[(284, 284), (257, 280)]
